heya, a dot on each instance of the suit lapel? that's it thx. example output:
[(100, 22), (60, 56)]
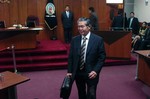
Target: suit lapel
[(90, 43), (132, 21), (79, 45), (66, 14)]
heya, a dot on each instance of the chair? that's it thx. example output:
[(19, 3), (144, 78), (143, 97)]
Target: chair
[(148, 24), (32, 21), (148, 46), (2, 24), (30, 24)]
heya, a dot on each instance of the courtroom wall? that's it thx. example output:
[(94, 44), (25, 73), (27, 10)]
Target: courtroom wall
[(141, 10), (18, 10)]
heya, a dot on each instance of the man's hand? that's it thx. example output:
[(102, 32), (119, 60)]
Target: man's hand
[(137, 37), (92, 74), (69, 74)]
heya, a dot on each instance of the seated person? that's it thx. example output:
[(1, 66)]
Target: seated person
[(140, 41), (142, 31)]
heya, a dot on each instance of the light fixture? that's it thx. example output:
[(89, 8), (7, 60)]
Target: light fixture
[(4, 1), (146, 2)]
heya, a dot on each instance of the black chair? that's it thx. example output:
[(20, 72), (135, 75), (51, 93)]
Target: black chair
[(2, 24), (148, 24), (30, 24), (32, 21), (148, 46)]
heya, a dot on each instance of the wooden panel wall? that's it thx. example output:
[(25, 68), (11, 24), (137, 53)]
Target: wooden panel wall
[(18, 10)]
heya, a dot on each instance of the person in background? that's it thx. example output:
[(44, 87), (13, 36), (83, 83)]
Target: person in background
[(93, 19), (67, 22), (133, 24), (118, 20), (140, 41), (125, 21), (86, 59)]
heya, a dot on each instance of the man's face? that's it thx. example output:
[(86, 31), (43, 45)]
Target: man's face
[(67, 8), (143, 25), (82, 28), (131, 15), (90, 11)]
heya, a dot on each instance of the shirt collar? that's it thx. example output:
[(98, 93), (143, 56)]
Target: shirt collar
[(87, 36)]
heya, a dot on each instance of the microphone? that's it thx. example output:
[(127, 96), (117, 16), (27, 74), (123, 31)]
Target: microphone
[(12, 47), (8, 48)]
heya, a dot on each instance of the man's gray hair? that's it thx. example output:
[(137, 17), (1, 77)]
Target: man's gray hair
[(87, 20)]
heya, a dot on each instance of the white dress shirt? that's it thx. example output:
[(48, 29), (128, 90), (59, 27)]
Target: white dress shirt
[(130, 22), (67, 13), (87, 41)]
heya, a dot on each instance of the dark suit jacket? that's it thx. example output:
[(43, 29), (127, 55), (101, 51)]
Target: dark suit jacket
[(95, 55), (147, 35), (94, 21), (141, 44), (117, 21), (135, 25), (67, 22)]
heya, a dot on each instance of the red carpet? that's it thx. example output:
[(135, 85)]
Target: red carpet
[(48, 55), (116, 82)]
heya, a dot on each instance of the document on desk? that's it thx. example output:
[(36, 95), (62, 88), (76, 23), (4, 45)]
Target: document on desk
[(17, 28)]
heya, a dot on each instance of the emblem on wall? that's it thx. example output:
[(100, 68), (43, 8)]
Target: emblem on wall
[(50, 10)]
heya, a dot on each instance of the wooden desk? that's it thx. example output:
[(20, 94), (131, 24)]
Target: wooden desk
[(143, 66), (7, 86), (24, 38), (117, 43)]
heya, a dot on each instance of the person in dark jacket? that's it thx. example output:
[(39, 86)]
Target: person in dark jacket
[(93, 19), (133, 24), (118, 20), (142, 39), (67, 22), (86, 59)]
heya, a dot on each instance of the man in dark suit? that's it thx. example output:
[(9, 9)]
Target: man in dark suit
[(94, 19), (117, 23), (133, 23), (142, 40), (67, 21), (86, 58)]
